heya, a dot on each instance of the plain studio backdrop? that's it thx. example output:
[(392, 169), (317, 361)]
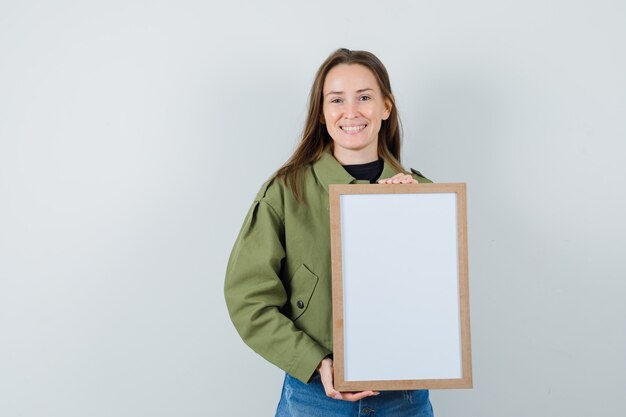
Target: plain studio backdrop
[(135, 134)]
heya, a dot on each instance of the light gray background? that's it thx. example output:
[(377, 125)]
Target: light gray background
[(135, 134)]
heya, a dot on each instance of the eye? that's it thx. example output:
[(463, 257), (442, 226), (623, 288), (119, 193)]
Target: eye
[(365, 98), (336, 100)]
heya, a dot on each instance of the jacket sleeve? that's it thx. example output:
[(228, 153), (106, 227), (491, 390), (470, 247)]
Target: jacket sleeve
[(255, 295)]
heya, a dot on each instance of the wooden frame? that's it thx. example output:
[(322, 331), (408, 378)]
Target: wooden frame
[(403, 270)]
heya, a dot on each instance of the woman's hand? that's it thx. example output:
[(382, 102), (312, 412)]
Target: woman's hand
[(398, 179), (325, 369)]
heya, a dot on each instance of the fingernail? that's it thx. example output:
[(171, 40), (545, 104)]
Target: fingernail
[(376, 393)]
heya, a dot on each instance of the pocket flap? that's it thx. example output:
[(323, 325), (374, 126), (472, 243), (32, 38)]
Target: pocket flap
[(302, 286)]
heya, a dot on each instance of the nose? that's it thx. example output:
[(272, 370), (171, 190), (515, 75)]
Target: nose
[(351, 110)]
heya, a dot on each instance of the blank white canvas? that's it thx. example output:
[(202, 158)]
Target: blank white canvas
[(400, 286)]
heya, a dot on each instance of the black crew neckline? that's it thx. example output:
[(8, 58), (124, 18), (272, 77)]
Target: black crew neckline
[(369, 171)]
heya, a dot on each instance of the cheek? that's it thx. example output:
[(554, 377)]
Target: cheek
[(331, 116), (377, 114), (371, 113)]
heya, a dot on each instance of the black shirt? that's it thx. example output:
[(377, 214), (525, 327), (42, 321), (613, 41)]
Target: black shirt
[(370, 171)]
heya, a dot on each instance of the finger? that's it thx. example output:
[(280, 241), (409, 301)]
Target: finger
[(326, 375), (329, 389), (398, 179), (356, 396), (331, 392)]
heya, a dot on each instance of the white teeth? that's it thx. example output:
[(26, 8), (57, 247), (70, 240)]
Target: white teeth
[(353, 128)]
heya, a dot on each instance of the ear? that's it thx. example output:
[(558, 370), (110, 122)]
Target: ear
[(322, 120), (388, 108)]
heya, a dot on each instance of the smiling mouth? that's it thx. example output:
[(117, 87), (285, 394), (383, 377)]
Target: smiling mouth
[(353, 129)]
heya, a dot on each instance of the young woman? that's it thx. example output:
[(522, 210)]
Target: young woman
[(278, 279)]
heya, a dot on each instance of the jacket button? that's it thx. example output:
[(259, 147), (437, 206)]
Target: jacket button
[(300, 304)]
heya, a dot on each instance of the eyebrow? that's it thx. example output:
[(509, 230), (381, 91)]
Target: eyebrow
[(341, 92)]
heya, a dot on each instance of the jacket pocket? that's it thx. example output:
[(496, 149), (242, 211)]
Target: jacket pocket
[(303, 285)]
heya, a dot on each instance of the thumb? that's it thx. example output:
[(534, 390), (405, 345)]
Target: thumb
[(326, 375)]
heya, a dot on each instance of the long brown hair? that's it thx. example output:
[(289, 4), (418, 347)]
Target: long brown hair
[(315, 138)]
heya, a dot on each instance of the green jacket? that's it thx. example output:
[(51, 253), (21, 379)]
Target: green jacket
[(278, 278)]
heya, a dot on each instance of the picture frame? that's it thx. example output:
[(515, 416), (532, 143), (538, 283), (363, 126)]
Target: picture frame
[(400, 289)]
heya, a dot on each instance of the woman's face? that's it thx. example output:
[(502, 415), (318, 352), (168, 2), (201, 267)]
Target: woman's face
[(354, 109)]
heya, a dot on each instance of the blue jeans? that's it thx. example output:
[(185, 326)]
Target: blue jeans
[(310, 400)]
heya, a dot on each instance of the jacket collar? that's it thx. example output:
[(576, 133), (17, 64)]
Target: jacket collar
[(329, 171)]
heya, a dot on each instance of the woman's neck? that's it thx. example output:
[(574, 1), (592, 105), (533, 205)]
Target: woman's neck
[(347, 157)]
